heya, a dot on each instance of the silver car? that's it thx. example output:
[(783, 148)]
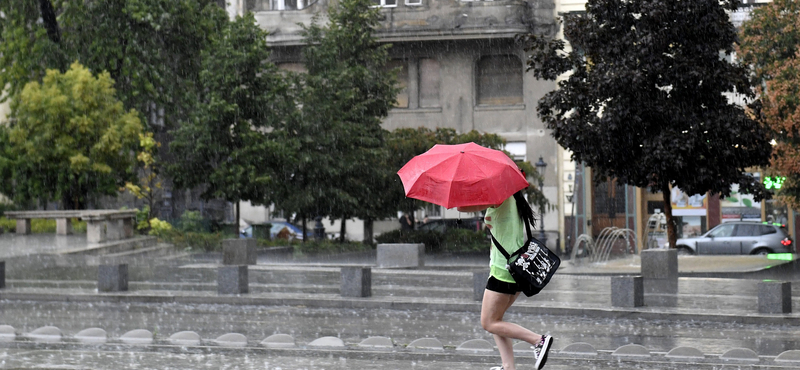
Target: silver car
[(739, 237)]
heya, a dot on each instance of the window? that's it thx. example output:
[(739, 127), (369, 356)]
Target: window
[(748, 230), (499, 80), (402, 80), (414, 2), (433, 210), (765, 230), (517, 149), (287, 4), (384, 3), (293, 67), (722, 231), (429, 83)]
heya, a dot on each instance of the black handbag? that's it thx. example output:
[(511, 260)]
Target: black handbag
[(533, 266)]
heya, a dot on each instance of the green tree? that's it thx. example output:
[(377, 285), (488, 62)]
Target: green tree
[(70, 139), (770, 44), (150, 48), (229, 145), (344, 95), (648, 83)]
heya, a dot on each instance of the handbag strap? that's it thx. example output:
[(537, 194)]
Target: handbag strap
[(518, 251)]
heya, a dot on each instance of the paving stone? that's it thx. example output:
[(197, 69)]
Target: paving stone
[(523, 347), (330, 342), (137, 336), (632, 350), (579, 348), (231, 340), (377, 342), (740, 354), (45, 334), (7, 333), (278, 341), (685, 353), (185, 338), (475, 345), (427, 344), (92, 335), (792, 356)]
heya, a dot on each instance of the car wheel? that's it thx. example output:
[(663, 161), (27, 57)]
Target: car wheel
[(684, 251), (762, 251)]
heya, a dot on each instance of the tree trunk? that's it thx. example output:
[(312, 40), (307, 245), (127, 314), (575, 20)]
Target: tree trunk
[(343, 230), (369, 231), (672, 235), (237, 218)]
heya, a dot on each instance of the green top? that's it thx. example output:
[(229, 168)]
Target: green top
[(508, 229)]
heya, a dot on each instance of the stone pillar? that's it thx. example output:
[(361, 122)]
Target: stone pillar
[(112, 278), (2, 274), (356, 282), (774, 297), (401, 255), (64, 226), (128, 227), (23, 226), (232, 280), (239, 251), (627, 291), (479, 284), (95, 231), (115, 229), (659, 263)]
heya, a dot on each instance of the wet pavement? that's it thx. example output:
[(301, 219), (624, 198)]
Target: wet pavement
[(300, 297)]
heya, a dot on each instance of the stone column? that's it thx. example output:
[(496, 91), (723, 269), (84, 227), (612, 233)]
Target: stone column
[(112, 278), (774, 297), (63, 226), (23, 226), (232, 280), (95, 231), (356, 282)]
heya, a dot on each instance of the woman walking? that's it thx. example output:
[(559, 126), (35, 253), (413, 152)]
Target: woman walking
[(506, 223)]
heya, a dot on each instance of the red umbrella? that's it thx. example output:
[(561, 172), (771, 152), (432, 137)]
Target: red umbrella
[(461, 175)]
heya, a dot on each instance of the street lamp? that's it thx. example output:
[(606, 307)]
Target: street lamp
[(541, 166)]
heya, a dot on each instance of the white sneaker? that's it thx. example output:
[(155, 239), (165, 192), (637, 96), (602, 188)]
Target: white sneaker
[(541, 350)]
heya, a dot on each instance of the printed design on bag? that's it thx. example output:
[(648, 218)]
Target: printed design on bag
[(537, 258)]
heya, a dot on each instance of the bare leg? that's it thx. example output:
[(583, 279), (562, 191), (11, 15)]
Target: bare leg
[(493, 308)]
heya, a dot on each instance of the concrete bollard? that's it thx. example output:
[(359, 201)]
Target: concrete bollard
[(112, 278), (232, 280), (2, 274), (239, 251), (659, 263), (627, 291), (479, 284), (774, 297), (401, 255), (356, 282)]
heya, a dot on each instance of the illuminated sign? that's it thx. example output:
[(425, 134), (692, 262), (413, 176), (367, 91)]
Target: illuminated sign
[(773, 182)]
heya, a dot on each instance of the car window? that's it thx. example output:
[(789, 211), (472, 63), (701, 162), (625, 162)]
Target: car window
[(722, 231), (767, 229), (748, 230)]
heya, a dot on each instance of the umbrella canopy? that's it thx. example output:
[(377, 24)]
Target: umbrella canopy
[(461, 175)]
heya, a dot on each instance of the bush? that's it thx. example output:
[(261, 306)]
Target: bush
[(192, 221), (42, 226), (313, 247), (432, 239), (208, 242), (454, 240)]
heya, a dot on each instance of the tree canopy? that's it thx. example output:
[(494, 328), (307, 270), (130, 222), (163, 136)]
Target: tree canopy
[(150, 48), (70, 139), (229, 144), (647, 97), (343, 97), (770, 44)]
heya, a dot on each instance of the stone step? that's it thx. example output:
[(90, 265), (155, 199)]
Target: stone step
[(112, 247)]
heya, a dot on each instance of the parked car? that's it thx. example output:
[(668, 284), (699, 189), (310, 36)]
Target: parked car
[(277, 226), (443, 224), (739, 237)]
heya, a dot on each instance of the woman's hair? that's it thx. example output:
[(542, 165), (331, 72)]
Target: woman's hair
[(524, 209)]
